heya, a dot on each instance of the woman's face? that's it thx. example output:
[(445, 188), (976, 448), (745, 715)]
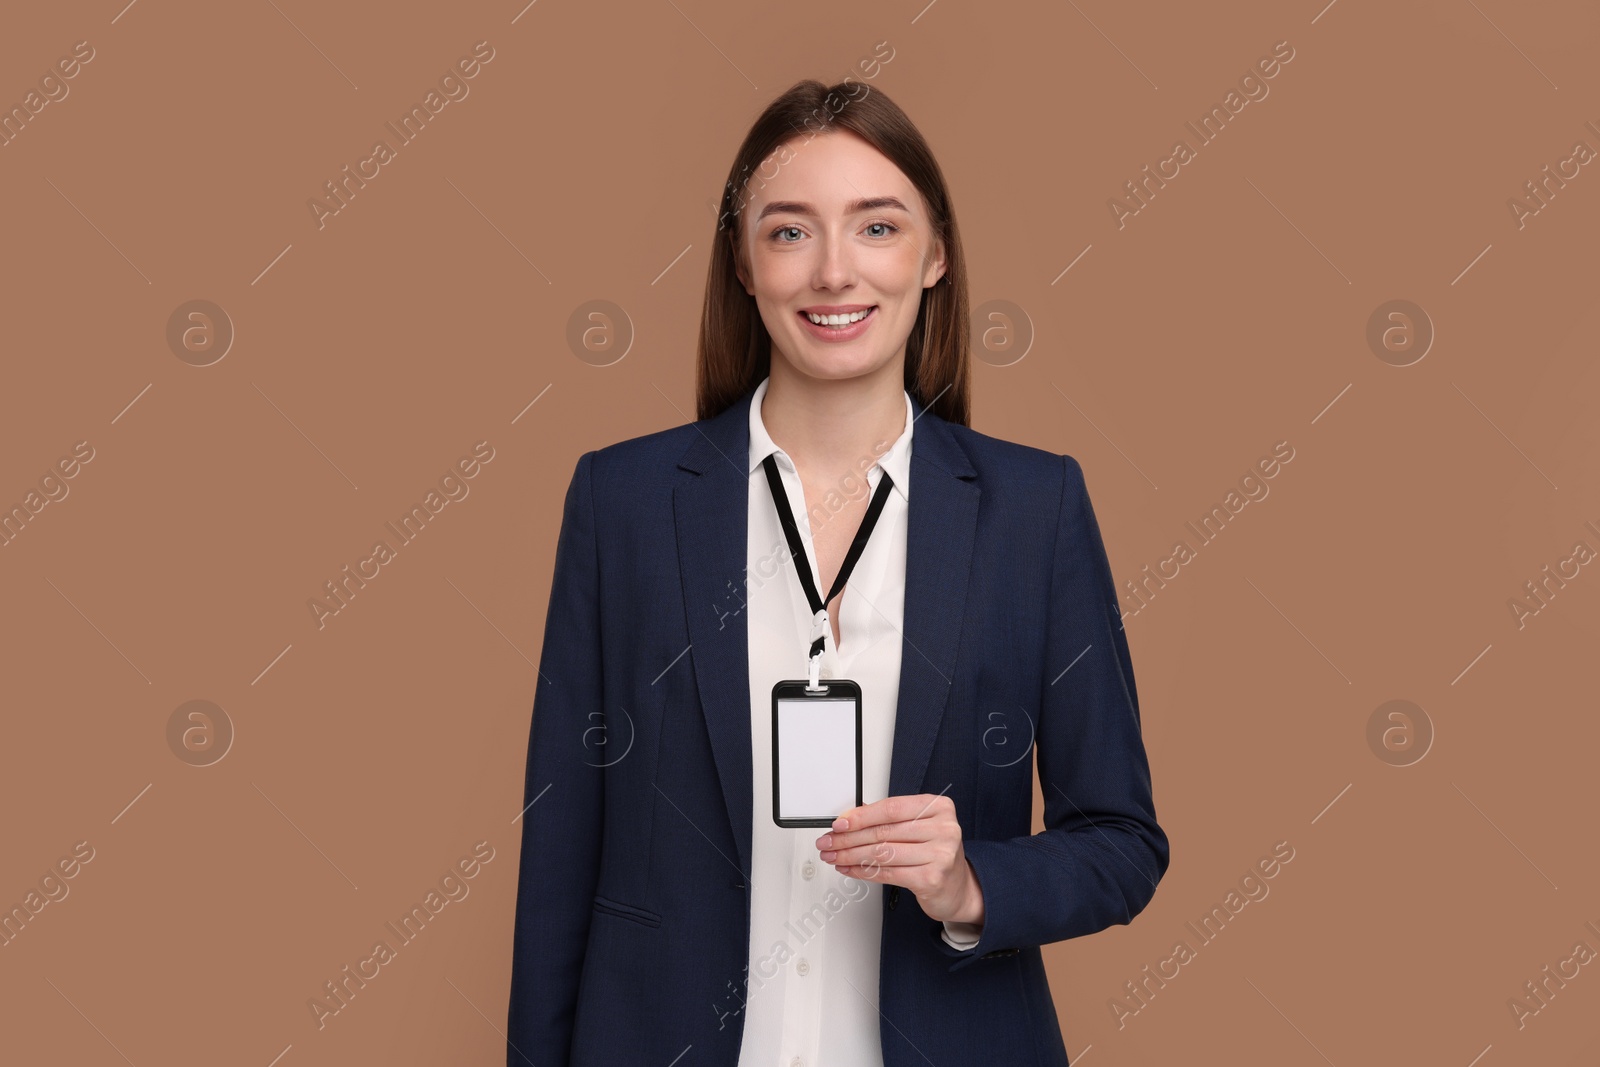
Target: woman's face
[(839, 230)]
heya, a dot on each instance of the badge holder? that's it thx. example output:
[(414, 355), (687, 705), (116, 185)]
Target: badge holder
[(816, 741)]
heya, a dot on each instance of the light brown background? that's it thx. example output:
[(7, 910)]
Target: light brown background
[(371, 354)]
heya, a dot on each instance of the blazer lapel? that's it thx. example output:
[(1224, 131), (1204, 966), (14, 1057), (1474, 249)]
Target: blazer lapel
[(711, 513), (941, 524)]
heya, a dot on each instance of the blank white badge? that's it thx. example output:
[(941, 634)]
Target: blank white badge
[(816, 758)]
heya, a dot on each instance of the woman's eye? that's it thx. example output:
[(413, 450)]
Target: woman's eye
[(888, 229)]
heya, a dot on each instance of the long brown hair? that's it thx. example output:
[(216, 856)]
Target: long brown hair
[(735, 349)]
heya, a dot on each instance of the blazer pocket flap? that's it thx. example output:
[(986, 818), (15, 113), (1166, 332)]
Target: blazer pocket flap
[(626, 911)]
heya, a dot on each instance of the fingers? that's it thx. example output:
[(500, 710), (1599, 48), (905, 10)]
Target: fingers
[(940, 854), (896, 809), (916, 817)]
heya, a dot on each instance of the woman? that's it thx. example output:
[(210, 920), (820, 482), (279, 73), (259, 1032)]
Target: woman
[(663, 914)]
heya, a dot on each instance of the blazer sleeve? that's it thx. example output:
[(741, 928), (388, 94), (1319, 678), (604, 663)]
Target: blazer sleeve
[(563, 799), (1102, 852)]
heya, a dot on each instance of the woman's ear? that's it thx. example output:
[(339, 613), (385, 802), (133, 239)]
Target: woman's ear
[(936, 266)]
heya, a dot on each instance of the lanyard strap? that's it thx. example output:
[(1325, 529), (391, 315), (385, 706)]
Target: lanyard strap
[(802, 567)]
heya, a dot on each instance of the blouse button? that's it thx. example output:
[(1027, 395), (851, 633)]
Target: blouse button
[(802, 966), (808, 869)]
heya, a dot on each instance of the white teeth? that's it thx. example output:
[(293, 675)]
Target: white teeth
[(837, 320)]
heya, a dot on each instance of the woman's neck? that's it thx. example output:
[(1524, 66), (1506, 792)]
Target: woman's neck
[(829, 427)]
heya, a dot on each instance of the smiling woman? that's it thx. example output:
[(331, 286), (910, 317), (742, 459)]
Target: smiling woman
[(889, 191), (803, 857)]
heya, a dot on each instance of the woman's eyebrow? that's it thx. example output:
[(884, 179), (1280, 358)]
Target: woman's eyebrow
[(855, 207)]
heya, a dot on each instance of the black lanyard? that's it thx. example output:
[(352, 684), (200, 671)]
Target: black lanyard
[(802, 567)]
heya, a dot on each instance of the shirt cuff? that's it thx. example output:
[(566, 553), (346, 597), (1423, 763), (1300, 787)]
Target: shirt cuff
[(961, 936)]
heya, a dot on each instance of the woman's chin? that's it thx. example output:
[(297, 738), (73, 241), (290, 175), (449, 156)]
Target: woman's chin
[(838, 363)]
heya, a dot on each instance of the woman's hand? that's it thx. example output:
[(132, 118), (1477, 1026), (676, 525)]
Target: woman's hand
[(912, 841)]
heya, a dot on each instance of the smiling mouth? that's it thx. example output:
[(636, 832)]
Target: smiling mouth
[(838, 322)]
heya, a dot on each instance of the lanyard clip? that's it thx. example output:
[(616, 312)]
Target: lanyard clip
[(813, 667)]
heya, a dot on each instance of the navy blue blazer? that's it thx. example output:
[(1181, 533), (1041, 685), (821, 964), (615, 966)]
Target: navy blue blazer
[(633, 910)]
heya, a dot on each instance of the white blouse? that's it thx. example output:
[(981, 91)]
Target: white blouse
[(815, 934)]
